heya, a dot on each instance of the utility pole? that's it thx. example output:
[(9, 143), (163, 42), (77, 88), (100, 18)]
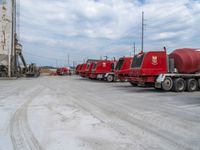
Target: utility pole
[(56, 63), (12, 47), (68, 59), (12, 53), (134, 49), (142, 49)]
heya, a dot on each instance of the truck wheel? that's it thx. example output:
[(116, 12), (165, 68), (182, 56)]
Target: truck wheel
[(167, 84), (110, 78), (192, 85), (199, 83), (179, 85)]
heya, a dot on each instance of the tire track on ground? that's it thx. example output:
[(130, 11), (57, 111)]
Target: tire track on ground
[(21, 135)]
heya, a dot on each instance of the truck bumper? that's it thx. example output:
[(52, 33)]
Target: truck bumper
[(147, 79), (93, 76), (82, 75), (123, 77)]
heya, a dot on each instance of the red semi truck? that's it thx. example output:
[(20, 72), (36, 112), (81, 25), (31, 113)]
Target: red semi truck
[(63, 71), (122, 68), (78, 67), (89, 67), (103, 70), (178, 71), (82, 70)]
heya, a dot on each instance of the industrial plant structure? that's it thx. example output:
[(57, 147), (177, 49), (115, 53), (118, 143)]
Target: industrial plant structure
[(10, 48)]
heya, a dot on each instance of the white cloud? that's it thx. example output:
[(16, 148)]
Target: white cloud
[(87, 26)]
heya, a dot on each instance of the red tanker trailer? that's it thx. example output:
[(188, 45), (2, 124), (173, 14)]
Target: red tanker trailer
[(122, 68), (178, 71), (186, 60)]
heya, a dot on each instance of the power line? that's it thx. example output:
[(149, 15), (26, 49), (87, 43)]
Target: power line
[(142, 49)]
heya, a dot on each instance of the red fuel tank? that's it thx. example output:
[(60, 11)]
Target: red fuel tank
[(186, 60)]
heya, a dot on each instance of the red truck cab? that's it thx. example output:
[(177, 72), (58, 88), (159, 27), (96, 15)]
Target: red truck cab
[(63, 71), (89, 68), (103, 69), (122, 68), (147, 66), (78, 67), (178, 71), (82, 70)]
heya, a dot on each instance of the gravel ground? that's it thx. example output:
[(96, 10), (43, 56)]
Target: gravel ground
[(59, 113)]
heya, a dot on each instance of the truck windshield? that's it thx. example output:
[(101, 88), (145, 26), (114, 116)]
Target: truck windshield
[(119, 64), (81, 67), (88, 66), (94, 66), (137, 61)]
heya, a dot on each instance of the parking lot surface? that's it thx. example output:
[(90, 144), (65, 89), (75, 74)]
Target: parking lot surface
[(57, 113)]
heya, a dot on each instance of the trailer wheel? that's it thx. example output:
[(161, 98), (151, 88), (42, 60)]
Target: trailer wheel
[(110, 78), (179, 85), (167, 84), (192, 85)]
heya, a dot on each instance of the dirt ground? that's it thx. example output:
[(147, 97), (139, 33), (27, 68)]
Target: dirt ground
[(71, 113)]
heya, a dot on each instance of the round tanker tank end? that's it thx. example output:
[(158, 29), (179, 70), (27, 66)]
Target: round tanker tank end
[(187, 60)]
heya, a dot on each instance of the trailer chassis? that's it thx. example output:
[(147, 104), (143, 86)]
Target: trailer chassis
[(178, 82)]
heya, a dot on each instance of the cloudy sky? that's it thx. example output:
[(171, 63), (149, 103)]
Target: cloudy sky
[(50, 30)]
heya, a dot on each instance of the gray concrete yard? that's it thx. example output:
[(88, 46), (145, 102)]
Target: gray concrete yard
[(72, 113)]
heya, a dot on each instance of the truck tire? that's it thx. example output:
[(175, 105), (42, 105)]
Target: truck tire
[(199, 83), (179, 85), (167, 84), (110, 78), (192, 85)]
